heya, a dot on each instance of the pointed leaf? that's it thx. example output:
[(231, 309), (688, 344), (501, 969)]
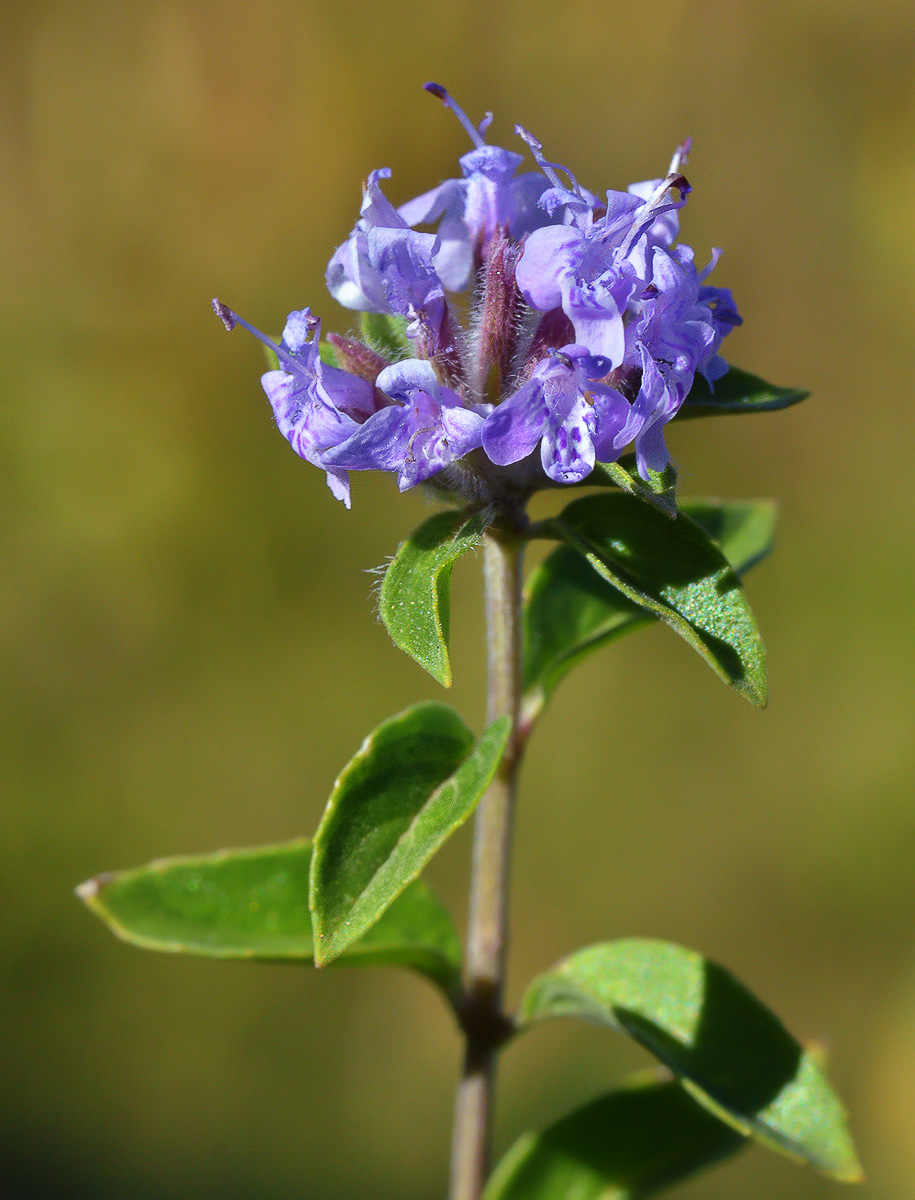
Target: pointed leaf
[(659, 490), (736, 392), (412, 783), (570, 610), (674, 570), (731, 1052), (625, 1145), (253, 904), (414, 601)]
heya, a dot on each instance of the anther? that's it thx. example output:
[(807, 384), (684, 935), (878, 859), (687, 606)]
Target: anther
[(565, 359), (225, 314), (290, 361), (476, 135)]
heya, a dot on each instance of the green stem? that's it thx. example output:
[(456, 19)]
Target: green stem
[(485, 1025)]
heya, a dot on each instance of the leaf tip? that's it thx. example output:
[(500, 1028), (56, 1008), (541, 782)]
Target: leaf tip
[(90, 890), (319, 951), (846, 1168), (853, 1173), (325, 950)]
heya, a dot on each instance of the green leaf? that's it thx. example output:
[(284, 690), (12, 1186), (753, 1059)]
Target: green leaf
[(253, 904), (744, 529), (659, 490), (570, 610), (414, 601), (412, 783), (736, 392), (622, 1146), (733, 1055), (385, 334), (674, 570)]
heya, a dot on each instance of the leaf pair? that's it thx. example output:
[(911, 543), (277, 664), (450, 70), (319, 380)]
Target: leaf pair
[(674, 574), (352, 895), (624, 562), (739, 1074)]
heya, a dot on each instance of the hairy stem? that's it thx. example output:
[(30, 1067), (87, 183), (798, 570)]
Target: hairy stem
[(484, 1023)]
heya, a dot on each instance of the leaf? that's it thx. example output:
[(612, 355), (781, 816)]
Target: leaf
[(736, 392), (570, 610), (659, 490), (733, 1055), (622, 1146), (385, 334), (412, 783), (674, 570), (253, 904), (414, 602), (744, 529)]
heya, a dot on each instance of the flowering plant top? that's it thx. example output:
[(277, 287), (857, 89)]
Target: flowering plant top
[(586, 326), (586, 330)]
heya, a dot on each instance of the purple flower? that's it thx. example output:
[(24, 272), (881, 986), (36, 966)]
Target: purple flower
[(316, 406), (725, 317), (470, 211), (630, 294), (565, 406), (426, 427), (385, 266), (588, 324)]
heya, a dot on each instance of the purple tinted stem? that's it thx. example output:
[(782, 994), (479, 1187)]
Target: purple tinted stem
[(485, 1025)]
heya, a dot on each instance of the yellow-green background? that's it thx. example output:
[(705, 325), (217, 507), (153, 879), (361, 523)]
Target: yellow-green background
[(188, 645)]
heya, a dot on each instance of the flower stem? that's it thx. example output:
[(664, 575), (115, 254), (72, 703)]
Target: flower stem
[(484, 1023)]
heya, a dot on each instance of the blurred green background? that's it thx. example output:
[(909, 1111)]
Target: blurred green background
[(189, 651)]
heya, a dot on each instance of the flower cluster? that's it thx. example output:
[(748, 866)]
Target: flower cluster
[(585, 328)]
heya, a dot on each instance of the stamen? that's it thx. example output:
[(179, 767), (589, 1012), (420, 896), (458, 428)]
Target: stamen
[(681, 156), (290, 361), (414, 435), (476, 135), (653, 208), (673, 180), (548, 168)]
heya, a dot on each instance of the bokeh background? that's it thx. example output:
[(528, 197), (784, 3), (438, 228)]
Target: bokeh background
[(189, 652)]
